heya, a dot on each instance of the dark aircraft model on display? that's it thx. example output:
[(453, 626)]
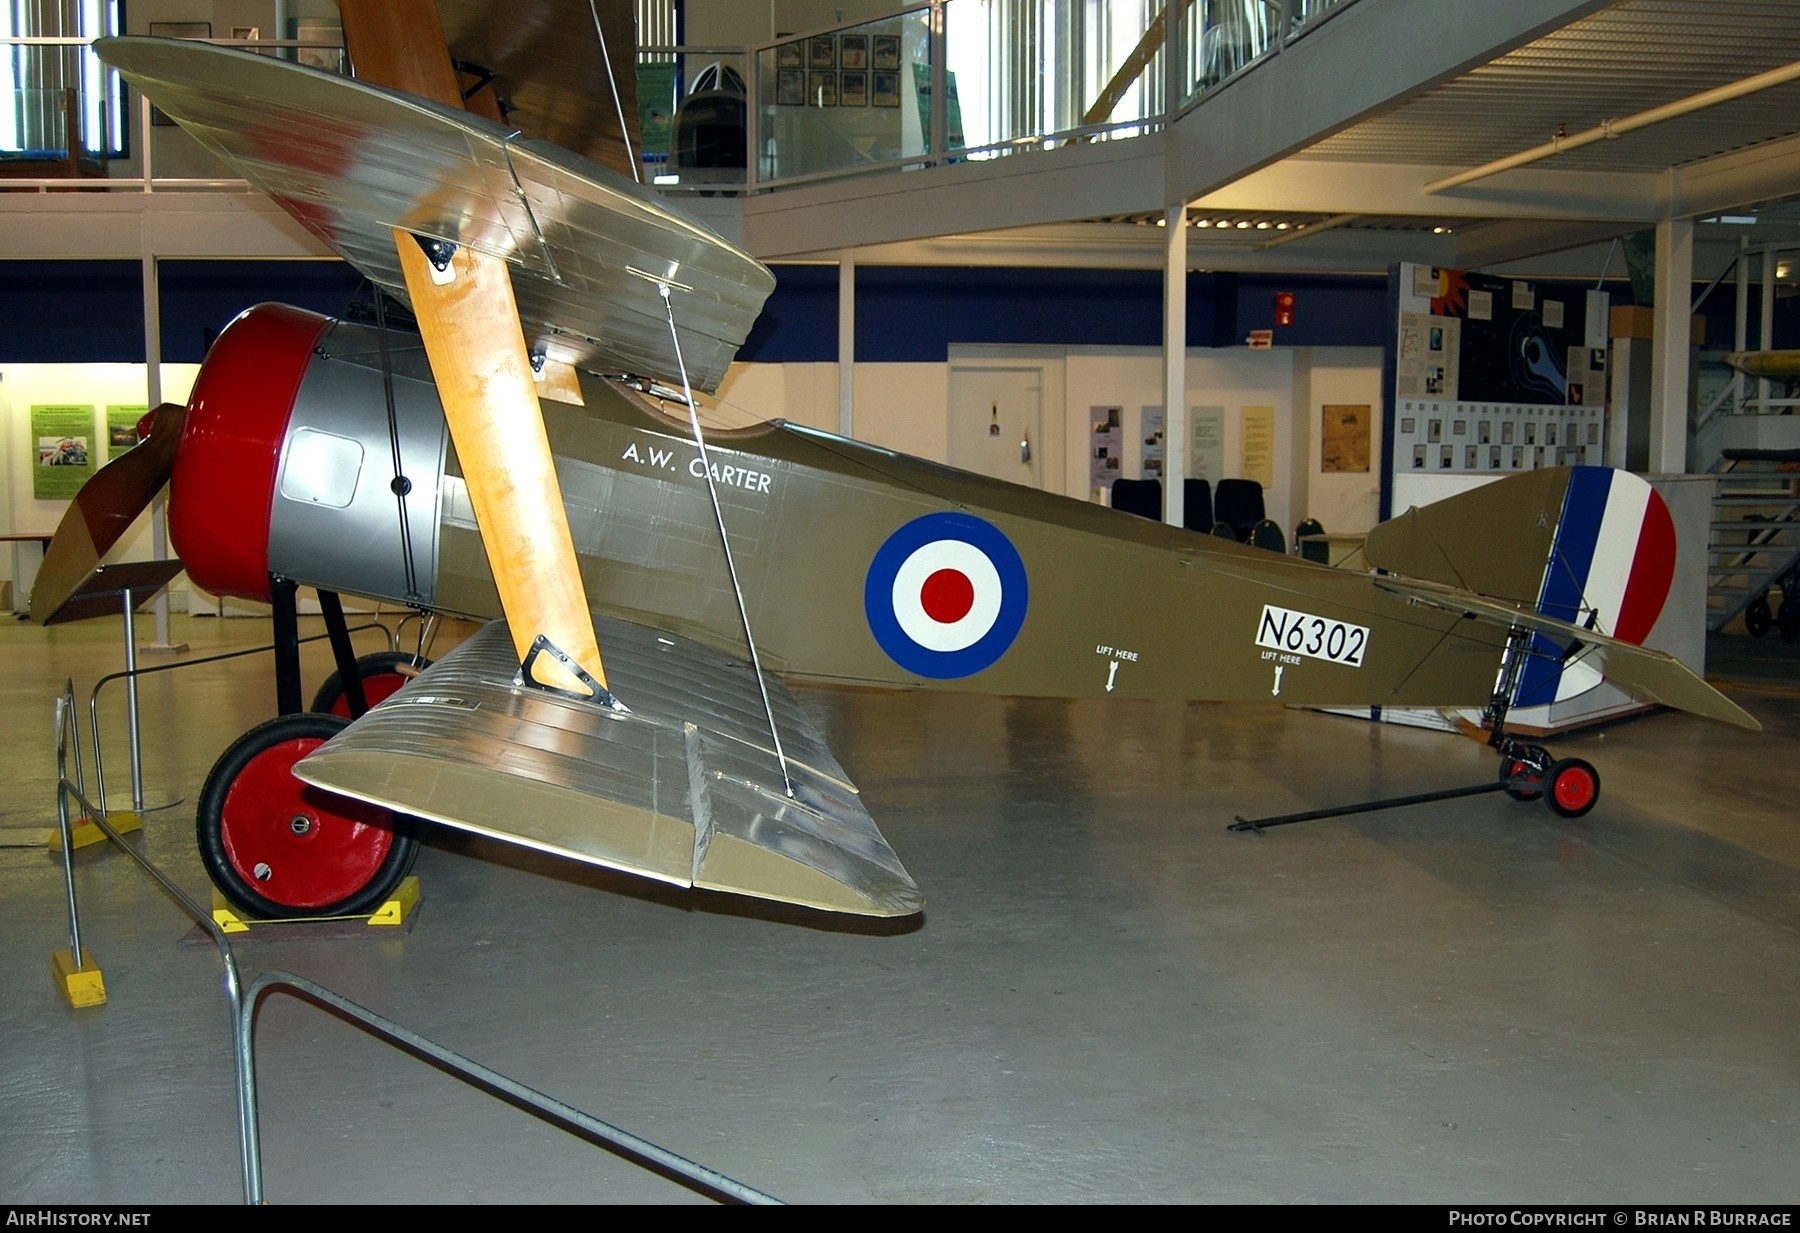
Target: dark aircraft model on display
[(532, 457)]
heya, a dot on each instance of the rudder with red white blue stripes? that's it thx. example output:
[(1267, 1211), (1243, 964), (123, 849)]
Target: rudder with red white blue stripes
[(1610, 567)]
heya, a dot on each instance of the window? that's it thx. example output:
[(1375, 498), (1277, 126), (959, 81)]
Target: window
[(46, 85)]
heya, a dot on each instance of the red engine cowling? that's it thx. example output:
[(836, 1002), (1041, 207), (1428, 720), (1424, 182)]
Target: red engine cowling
[(287, 461), (223, 483)]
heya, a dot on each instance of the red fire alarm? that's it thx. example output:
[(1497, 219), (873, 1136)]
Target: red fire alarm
[(1284, 308)]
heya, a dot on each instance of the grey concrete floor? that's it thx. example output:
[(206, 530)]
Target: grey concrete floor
[(1109, 997)]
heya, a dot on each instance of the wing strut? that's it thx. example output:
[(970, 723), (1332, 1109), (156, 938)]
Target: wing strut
[(469, 319), (712, 491)]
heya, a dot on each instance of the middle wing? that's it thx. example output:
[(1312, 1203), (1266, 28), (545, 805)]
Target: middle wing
[(684, 788)]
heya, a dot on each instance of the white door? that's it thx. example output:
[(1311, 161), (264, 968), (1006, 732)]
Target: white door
[(997, 421)]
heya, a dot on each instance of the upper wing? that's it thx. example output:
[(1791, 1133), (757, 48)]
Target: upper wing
[(352, 162), (684, 788)]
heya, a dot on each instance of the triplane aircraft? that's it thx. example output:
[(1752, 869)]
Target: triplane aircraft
[(533, 457)]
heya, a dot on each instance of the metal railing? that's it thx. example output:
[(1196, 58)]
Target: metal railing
[(242, 1004), (858, 97)]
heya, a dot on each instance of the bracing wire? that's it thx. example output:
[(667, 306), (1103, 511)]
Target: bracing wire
[(712, 492), (618, 104)]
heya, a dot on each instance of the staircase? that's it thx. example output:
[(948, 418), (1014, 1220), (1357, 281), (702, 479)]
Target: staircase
[(1755, 540)]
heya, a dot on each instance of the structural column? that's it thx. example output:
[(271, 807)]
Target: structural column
[(1673, 340), (846, 342), (1175, 442)]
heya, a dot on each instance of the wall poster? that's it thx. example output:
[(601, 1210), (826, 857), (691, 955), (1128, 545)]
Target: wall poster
[(1104, 447), (1259, 445), (1206, 444), (64, 439), (1494, 375), (121, 427), (1344, 437), (1150, 460)]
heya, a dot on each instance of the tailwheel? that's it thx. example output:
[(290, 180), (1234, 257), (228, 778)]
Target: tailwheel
[(1571, 788), (279, 848), (1522, 769), (382, 674)]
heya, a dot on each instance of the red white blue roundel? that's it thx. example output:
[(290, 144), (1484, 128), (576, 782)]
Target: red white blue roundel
[(946, 595)]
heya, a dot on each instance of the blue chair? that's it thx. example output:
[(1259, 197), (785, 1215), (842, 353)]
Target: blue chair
[(1267, 534), (1140, 496), (1197, 505), (1239, 502), (1318, 550)]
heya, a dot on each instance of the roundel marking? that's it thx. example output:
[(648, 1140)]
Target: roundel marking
[(946, 595)]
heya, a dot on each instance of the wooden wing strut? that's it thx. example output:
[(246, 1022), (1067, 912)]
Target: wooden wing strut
[(469, 319)]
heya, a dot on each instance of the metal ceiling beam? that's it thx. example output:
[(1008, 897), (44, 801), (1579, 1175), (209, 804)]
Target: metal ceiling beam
[(1322, 82), (1332, 187), (1608, 130)]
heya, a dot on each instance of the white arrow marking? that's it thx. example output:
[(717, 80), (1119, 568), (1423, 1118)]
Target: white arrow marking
[(1112, 670), (1276, 692)]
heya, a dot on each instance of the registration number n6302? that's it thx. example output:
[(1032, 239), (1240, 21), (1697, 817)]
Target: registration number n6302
[(1302, 633)]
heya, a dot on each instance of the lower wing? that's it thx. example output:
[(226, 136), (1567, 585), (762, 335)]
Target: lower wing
[(685, 787)]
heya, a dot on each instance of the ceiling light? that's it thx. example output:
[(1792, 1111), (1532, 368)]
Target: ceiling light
[(1282, 226), (1243, 224), (1262, 224)]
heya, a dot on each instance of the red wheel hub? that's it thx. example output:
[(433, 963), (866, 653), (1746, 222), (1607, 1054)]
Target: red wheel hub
[(296, 844), (1575, 788)]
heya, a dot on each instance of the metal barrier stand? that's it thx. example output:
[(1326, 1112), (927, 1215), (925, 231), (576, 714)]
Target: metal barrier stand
[(81, 980)]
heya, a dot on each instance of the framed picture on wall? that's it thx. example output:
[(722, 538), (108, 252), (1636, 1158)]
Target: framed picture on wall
[(791, 55), (821, 88), (790, 87), (853, 88), (885, 51), (884, 89), (853, 51), (821, 52)]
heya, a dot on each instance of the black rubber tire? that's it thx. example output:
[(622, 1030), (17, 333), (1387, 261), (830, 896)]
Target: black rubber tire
[(345, 862), (1757, 617), (381, 678), (1571, 788)]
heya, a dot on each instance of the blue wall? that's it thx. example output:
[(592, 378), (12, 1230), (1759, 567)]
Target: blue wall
[(79, 311), (92, 311), (908, 313), (66, 312)]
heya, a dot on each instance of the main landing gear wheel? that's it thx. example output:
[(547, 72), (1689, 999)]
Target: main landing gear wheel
[(1757, 617), (1522, 770), (1571, 788), (279, 848), (382, 673)]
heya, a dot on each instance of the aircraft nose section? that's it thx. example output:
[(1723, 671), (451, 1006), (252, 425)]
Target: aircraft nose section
[(223, 484)]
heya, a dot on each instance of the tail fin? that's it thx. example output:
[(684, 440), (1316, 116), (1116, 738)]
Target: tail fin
[(1590, 546)]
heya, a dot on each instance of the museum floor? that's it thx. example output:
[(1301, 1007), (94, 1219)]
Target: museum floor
[(1109, 997)]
